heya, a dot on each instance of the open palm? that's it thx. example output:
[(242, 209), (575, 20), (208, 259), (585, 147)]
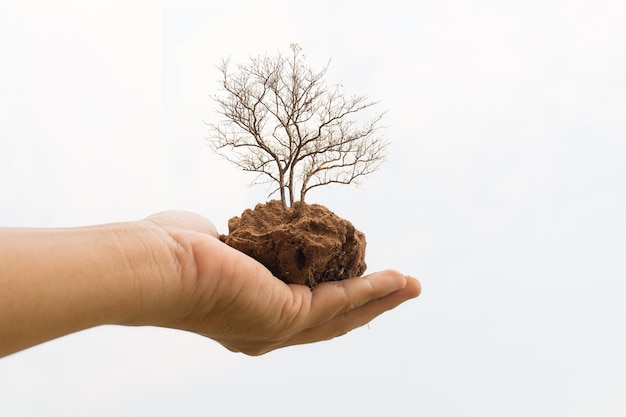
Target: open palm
[(230, 297)]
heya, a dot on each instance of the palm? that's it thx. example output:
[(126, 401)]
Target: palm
[(236, 301)]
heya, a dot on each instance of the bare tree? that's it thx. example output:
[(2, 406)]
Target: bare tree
[(282, 121)]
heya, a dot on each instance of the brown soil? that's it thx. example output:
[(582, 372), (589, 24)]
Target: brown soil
[(305, 244)]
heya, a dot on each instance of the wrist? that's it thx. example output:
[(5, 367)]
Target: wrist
[(154, 266)]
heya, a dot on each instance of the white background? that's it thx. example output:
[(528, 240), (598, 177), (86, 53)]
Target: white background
[(504, 192)]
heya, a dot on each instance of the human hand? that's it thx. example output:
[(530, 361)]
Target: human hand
[(231, 298)]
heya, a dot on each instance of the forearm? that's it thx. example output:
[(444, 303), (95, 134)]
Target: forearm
[(55, 282)]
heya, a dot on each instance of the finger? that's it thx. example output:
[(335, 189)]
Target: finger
[(335, 298), (358, 316)]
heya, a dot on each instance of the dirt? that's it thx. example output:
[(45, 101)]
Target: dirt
[(303, 244)]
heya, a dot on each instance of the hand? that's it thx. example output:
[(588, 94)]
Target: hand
[(229, 297)]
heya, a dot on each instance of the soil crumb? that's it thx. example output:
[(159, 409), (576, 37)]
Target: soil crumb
[(303, 244)]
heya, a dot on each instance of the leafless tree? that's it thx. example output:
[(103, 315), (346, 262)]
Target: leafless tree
[(282, 121)]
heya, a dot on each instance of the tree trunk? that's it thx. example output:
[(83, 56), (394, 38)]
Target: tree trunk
[(283, 198), (304, 188), (290, 185)]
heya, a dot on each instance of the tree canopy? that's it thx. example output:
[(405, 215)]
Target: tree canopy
[(281, 120)]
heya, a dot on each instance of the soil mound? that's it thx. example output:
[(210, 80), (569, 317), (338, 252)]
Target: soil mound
[(304, 244)]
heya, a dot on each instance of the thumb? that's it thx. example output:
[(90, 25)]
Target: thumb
[(185, 220)]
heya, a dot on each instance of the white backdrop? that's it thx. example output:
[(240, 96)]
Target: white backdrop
[(504, 192)]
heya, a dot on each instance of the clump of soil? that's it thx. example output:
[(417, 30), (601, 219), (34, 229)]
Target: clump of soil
[(303, 244)]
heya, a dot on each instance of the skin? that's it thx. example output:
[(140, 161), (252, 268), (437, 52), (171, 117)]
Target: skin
[(171, 270)]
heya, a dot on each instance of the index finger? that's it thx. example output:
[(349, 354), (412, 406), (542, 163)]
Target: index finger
[(345, 321), (332, 299)]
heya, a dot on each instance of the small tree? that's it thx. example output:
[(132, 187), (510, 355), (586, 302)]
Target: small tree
[(281, 121)]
